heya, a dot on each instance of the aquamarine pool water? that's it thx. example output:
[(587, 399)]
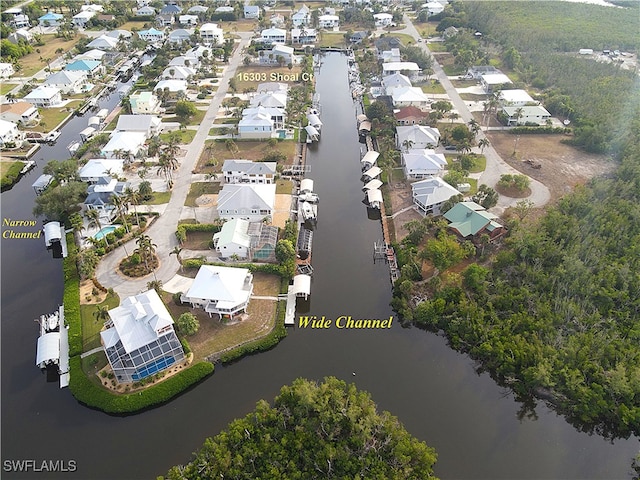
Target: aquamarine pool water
[(105, 231)]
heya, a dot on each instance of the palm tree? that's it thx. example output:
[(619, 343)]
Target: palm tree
[(93, 216), (146, 248), (407, 144), (483, 143), (133, 197), (155, 285), (474, 127), (101, 313), (78, 225), (121, 207), (176, 251)]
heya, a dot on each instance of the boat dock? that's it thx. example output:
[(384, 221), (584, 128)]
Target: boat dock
[(301, 288)]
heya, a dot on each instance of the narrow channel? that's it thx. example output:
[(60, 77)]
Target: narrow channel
[(434, 391)]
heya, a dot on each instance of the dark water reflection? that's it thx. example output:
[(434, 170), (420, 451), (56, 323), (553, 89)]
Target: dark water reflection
[(434, 391)]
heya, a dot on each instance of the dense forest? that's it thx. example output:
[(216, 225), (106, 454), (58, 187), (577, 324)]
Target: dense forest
[(327, 430), (556, 313)]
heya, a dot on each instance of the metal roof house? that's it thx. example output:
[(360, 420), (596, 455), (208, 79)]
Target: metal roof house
[(417, 136), (468, 219), (247, 171), (422, 163), (220, 290), (244, 239), (429, 195), (251, 202), (139, 339)]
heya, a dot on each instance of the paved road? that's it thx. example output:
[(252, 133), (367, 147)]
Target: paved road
[(162, 232), (496, 166)]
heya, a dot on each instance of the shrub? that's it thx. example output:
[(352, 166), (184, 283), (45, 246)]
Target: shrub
[(95, 396), (188, 324), (176, 298), (71, 298)]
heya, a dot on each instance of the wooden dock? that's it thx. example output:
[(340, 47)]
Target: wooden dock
[(290, 312)]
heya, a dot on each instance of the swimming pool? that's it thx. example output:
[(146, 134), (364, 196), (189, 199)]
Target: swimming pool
[(105, 231)]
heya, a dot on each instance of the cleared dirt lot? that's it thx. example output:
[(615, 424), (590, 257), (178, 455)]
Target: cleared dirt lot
[(562, 167)]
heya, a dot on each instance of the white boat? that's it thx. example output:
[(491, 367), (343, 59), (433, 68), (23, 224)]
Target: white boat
[(309, 197), (52, 352), (73, 147), (28, 165), (308, 211), (53, 136)]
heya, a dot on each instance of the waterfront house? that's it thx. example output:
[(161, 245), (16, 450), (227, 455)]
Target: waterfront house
[(178, 73), (422, 163), (144, 103), (392, 55), (139, 339), (410, 116), (273, 35), (328, 21), (45, 97), (247, 171), (428, 195), (417, 136), (150, 125), (211, 34), (389, 68), (189, 59), (50, 19), (23, 113), (303, 36), (9, 133), (385, 43), (409, 97), (91, 68), (251, 202), (69, 82), (251, 12), (173, 86), (223, 291), (127, 144), (277, 99), (272, 87), (93, 55), (98, 168), (396, 80), (358, 37), (470, 220), (279, 55), (257, 125)]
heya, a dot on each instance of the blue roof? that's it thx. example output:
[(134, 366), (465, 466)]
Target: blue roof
[(51, 16), (83, 65)]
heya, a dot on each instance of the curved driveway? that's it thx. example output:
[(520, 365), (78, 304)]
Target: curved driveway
[(495, 165), (162, 232)]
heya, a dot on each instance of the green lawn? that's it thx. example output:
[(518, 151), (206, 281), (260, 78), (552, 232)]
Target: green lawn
[(403, 37), (250, 150), (284, 187), (195, 120), (34, 62), (51, 117), (437, 47), (200, 188), (186, 136), (331, 39), (7, 87), (90, 326), (158, 198), (6, 165), (433, 88)]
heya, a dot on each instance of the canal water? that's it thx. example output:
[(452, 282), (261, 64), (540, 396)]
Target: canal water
[(433, 390)]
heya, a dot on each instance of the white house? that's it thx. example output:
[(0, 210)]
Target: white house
[(146, 11), (174, 86), (515, 98), (187, 60), (139, 339), (23, 113), (494, 81), (390, 68), (251, 11), (434, 8), (304, 36), (44, 96), (98, 168), (328, 21), (256, 125), (220, 290), (417, 136), (124, 143), (526, 115), (150, 125), (383, 19), (276, 99), (69, 82), (100, 196), (6, 70), (409, 97), (178, 73), (211, 34), (81, 19), (144, 103), (94, 54), (151, 35), (251, 202), (20, 35), (301, 17), (277, 115), (103, 42), (422, 163), (197, 9), (247, 171), (20, 21), (392, 55), (9, 133), (273, 35), (397, 80), (180, 35), (233, 239), (188, 20), (278, 55), (429, 195)]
